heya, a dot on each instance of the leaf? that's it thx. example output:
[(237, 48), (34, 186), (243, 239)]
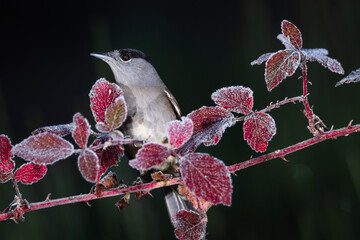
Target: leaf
[(179, 131), (89, 166), (207, 177), (259, 128), (30, 173), (6, 164), (43, 148), (102, 95), (108, 155), (285, 41), (319, 55), (279, 66), (115, 115), (237, 99), (4, 177), (61, 130), (353, 77), (292, 33), (261, 59), (82, 130), (209, 125), (150, 155), (189, 225)]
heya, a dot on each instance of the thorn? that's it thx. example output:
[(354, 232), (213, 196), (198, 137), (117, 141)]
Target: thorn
[(233, 173), (283, 158), (350, 123), (309, 82), (48, 197), (87, 203)]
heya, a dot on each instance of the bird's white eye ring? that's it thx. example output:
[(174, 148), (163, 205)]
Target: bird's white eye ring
[(125, 57)]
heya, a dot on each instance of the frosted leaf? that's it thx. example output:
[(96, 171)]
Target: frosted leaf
[(236, 99), (179, 131), (6, 164), (108, 155), (89, 166), (285, 41), (259, 128), (61, 130), (150, 155), (81, 132), (209, 125), (189, 225), (353, 77), (30, 173), (207, 177), (292, 33), (115, 115), (4, 177), (43, 148), (279, 66), (261, 59), (102, 95), (319, 55)]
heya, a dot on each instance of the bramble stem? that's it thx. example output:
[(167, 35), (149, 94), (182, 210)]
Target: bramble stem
[(332, 134), (309, 113), (87, 197)]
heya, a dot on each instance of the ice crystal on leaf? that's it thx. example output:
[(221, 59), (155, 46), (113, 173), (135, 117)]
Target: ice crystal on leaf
[(30, 173), (237, 99), (207, 177), (259, 128), (81, 132), (43, 148), (89, 166), (150, 155), (189, 225), (102, 95), (179, 131), (6, 164), (61, 130), (115, 115), (292, 33), (353, 77), (319, 55)]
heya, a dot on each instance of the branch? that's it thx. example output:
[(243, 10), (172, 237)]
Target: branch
[(17, 213), (332, 134)]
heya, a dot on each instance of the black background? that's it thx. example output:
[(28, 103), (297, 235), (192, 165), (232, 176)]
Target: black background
[(46, 74)]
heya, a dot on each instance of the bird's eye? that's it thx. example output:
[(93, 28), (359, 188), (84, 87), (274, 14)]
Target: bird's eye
[(125, 57)]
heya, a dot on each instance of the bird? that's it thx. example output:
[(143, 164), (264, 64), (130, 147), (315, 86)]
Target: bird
[(151, 107)]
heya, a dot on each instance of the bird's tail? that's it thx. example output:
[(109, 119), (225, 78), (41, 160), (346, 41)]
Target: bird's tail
[(175, 202)]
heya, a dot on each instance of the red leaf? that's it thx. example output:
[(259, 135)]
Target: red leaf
[(61, 130), (4, 177), (102, 95), (209, 125), (179, 131), (82, 130), (43, 148), (279, 66), (89, 166), (189, 225), (150, 155), (30, 173), (236, 99), (353, 77), (291, 32), (319, 55), (108, 155), (6, 164), (115, 115), (207, 177), (259, 128)]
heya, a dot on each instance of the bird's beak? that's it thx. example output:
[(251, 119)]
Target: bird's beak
[(102, 56)]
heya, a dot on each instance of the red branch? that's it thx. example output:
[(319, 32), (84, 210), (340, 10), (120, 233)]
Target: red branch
[(85, 198), (332, 134), (309, 113)]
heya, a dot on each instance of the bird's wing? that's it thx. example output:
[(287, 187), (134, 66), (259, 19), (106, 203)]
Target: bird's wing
[(173, 103)]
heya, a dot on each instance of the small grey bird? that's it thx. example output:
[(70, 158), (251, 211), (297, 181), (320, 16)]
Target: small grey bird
[(151, 107)]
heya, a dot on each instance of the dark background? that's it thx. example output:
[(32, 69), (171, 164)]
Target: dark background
[(46, 74)]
